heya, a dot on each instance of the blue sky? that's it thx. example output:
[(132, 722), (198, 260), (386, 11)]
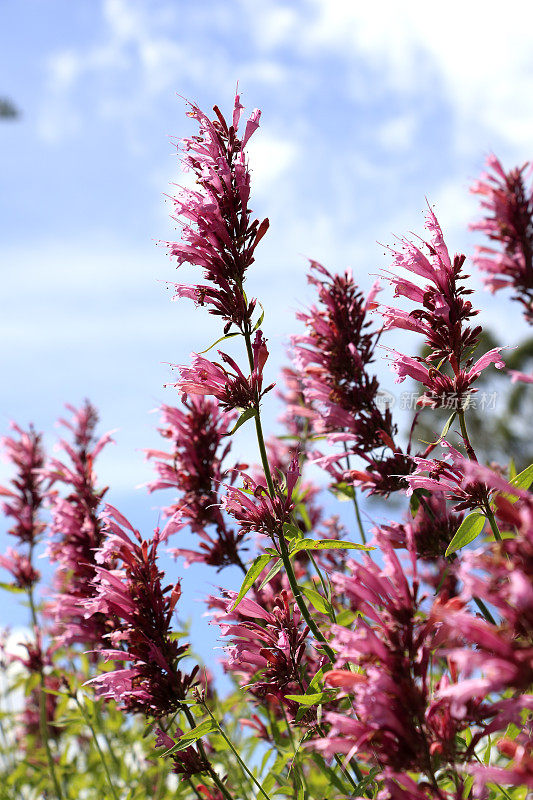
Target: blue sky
[(367, 108)]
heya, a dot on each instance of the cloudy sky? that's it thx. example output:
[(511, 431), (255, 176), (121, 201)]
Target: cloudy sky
[(367, 109)]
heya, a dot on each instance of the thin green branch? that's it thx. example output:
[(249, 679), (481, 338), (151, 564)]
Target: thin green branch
[(90, 725), (43, 722), (235, 753)]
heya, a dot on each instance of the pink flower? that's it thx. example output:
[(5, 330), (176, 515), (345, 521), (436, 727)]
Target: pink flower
[(455, 476), (267, 651), (26, 497), (519, 771), (232, 389), (333, 359), (140, 609), (441, 317), (254, 509), (520, 377), (20, 567), (399, 719), (508, 221), (76, 531), (193, 467), (219, 234)]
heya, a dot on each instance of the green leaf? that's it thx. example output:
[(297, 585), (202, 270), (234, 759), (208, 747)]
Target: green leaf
[(326, 544), (274, 571), (310, 699), (190, 737), (524, 479), (343, 491), (317, 677), (468, 530), (333, 777), (446, 428), (247, 414), (255, 570), (201, 730), (316, 599), (227, 336), (291, 531), (10, 587), (260, 320)]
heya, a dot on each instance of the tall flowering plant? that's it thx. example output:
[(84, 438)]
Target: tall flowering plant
[(399, 668)]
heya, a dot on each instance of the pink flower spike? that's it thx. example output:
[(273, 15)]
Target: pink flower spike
[(507, 201), (218, 233), (520, 377)]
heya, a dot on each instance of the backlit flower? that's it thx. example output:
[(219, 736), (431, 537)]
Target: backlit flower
[(507, 202)]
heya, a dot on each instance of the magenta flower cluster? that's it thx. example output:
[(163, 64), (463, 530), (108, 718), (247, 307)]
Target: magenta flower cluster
[(397, 667)]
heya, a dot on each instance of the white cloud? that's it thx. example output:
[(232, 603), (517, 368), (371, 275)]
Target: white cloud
[(396, 134), (482, 64), (271, 159)]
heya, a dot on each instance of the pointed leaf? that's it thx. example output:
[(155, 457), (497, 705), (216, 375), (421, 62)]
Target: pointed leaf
[(260, 320), (247, 414), (524, 479), (326, 544), (316, 599), (311, 699), (274, 571), (187, 739), (253, 573), (468, 530), (222, 338)]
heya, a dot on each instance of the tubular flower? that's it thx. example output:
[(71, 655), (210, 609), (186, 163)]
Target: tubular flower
[(141, 610), (519, 771), (268, 650), (502, 575), (35, 661), (344, 400), (218, 233), (20, 567), (297, 412), (26, 497), (76, 530), (508, 205), (399, 718), (194, 468), (520, 377), (431, 529), (255, 510), (232, 389), (441, 317), (461, 480)]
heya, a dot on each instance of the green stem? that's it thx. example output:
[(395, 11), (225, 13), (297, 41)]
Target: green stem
[(355, 503), (331, 610), (311, 624), (90, 725), (43, 722), (213, 775), (282, 541), (296, 763), (492, 521), (195, 790), (472, 456), (320, 730), (484, 610), (235, 753)]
